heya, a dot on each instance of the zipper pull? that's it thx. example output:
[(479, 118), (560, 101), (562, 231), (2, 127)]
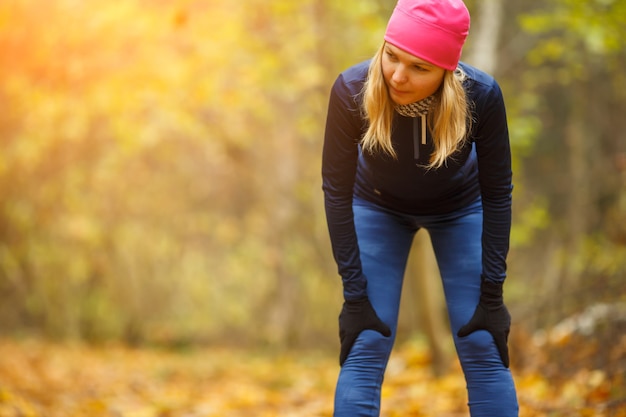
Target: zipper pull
[(416, 140)]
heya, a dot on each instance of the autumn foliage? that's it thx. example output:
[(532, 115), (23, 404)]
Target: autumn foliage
[(73, 380), (160, 199)]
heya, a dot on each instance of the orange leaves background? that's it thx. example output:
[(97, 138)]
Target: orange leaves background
[(44, 379), (159, 185)]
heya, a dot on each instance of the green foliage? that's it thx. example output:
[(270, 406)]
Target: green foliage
[(574, 33), (534, 217), (565, 112)]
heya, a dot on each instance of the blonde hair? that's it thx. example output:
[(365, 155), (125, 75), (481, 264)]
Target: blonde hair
[(449, 119)]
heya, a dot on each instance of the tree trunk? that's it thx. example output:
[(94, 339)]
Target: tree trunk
[(486, 35), (424, 301)]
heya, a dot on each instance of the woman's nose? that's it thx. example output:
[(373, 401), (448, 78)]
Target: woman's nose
[(399, 75)]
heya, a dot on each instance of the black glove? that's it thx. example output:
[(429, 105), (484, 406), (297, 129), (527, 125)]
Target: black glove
[(492, 315), (355, 317)]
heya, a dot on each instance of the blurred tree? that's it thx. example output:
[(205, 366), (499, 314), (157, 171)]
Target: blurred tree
[(160, 160), (567, 97), (573, 74)]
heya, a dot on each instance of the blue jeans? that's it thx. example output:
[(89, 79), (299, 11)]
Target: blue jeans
[(385, 239)]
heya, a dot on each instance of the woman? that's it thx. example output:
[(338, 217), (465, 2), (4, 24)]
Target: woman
[(415, 139)]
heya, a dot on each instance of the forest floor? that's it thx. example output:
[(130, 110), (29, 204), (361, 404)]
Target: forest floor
[(42, 379)]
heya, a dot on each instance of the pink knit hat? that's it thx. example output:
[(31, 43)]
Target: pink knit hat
[(433, 30)]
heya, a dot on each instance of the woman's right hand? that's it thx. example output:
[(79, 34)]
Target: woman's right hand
[(356, 316)]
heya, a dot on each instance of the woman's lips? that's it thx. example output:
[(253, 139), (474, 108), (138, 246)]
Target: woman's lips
[(396, 91)]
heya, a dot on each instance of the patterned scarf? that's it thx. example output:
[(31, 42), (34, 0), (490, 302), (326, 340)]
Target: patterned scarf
[(419, 108)]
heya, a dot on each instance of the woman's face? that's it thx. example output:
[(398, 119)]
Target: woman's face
[(409, 78)]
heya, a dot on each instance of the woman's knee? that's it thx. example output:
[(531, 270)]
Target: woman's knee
[(372, 346), (477, 348)]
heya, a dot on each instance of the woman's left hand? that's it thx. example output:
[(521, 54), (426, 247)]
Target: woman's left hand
[(492, 315)]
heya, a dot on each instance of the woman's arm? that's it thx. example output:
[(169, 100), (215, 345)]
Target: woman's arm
[(495, 176), (339, 159), (494, 171)]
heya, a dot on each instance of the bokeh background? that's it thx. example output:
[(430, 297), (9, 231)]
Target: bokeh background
[(160, 173)]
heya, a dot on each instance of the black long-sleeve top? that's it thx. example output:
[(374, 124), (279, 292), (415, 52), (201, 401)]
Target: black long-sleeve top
[(482, 167)]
